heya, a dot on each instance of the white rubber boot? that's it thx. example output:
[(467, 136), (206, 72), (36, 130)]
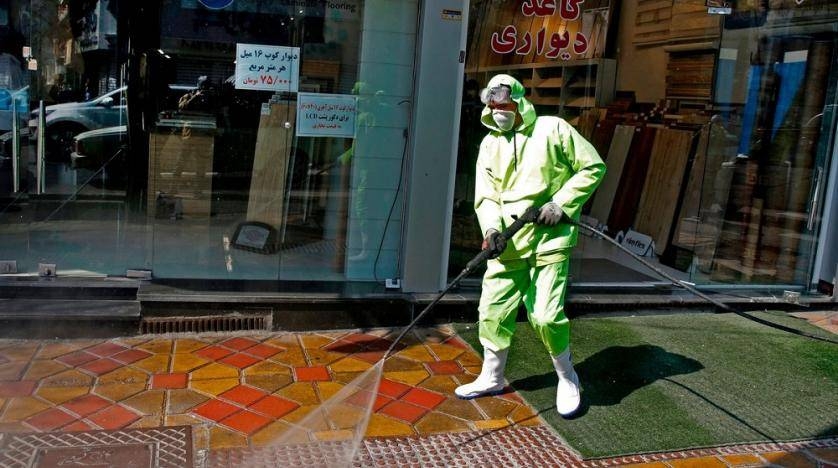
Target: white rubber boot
[(567, 391), (490, 380)]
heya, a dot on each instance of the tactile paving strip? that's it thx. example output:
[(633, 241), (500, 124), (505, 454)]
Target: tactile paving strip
[(510, 447), (153, 448)]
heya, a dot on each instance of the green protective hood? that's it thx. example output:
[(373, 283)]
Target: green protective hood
[(525, 107)]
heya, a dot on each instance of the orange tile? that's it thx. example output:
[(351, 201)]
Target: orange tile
[(494, 407), (384, 426), (274, 406), (187, 362), (157, 346), (788, 460), (171, 381), (263, 351), (214, 371), (320, 357), (336, 435), (12, 370), (423, 398), (50, 419), (53, 350), (404, 411), (742, 459), (77, 358), (86, 404), (118, 392), (221, 438), (398, 364), (214, 352), (239, 360), (697, 462), (524, 416), (188, 345), (216, 410), (243, 395), (214, 386), (302, 392), (412, 378), (124, 375), (105, 349), (435, 423), (130, 355), (180, 401), (314, 373), (369, 356), (156, 363), (17, 389), (21, 408), (239, 343), (315, 341), (58, 395), (491, 424), (444, 367), (416, 352), (246, 421), (148, 403), (349, 364), (392, 388), (113, 417), (445, 352), (43, 368), (463, 409), (100, 366), (269, 383)]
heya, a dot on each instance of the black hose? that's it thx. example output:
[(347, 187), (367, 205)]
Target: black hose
[(678, 283)]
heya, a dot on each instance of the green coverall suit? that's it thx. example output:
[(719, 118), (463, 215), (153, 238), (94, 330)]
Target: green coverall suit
[(542, 159)]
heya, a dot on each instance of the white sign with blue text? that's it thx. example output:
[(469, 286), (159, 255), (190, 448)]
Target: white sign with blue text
[(326, 115), (267, 67)]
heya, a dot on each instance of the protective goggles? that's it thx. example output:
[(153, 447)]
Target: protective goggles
[(496, 96)]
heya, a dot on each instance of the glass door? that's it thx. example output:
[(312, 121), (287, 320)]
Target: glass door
[(64, 166)]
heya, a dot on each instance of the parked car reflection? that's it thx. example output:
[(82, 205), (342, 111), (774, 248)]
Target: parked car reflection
[(98, 153), (65, 121)]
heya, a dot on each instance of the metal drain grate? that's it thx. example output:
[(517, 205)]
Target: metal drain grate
[(159, 325)]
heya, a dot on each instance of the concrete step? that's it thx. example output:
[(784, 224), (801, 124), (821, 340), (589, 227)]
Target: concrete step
[(62, 318)]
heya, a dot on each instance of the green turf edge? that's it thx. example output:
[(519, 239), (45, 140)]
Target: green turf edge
[(672, 382)]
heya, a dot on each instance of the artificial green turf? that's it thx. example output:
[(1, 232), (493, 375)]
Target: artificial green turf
[(667, 382)]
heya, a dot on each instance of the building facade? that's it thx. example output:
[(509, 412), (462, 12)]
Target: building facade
[(334, 141)]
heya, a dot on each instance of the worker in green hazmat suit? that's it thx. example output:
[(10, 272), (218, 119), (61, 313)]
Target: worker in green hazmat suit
[(528, 160)]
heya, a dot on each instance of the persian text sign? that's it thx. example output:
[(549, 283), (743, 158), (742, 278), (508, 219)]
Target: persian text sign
[(558, 45), (326, 115), (267, 68)]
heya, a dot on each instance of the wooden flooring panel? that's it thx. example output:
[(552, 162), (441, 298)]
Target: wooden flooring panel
[(615, 160), (659, 200), (270, 165)]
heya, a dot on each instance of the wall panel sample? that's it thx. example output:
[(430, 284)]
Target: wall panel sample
[(632, 179), (270, 164), (617, 154), (656, 211)]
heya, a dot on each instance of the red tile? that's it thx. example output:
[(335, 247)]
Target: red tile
[(263, 351), (50, 419), (86, 404), (382, 344), (239, 344), (113, 417), (239, 360), (369, 356), (274, 406), (445, 367), (101, 366), (215, 410), (177, 380), (457, 342), (246, 421), (343, 346), (214, 352), (130, 355), (404, 411), (77, 426), (314, 373), (423, 398), (392, 389), (243, 395), (77, 358), (16, 389), (106, 349), (362, 399)]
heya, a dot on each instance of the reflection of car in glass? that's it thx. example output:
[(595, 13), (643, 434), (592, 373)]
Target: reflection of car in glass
[(97, 148), (65, 121)]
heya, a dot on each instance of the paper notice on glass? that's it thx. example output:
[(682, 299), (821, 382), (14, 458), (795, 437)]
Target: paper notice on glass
[(326, 115), (267, 68)]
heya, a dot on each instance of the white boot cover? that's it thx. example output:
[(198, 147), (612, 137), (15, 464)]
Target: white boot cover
[(490, 380), (567, 391)]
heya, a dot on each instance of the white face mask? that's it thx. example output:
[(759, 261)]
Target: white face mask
[(505, 120)]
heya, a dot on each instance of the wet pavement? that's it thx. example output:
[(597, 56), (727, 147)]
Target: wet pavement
[(224, 399)]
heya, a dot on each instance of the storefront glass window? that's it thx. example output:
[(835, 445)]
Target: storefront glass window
[(230, 140), (715, 120)]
